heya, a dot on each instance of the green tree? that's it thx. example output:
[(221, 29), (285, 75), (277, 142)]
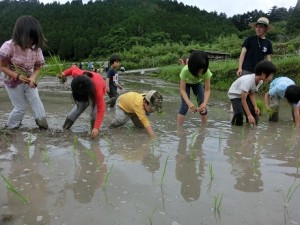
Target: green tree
[(293, 24)]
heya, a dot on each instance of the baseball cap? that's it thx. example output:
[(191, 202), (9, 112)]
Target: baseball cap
[(155, 99)]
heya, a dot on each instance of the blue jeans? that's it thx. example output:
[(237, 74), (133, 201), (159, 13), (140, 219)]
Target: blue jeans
[(198, 92)]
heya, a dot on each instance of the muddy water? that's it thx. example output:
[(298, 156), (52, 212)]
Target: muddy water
[(122, 177)]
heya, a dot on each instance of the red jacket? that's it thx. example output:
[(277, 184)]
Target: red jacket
[(100, 91)]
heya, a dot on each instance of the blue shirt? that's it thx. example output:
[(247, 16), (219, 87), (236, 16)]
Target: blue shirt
[(279, 85)]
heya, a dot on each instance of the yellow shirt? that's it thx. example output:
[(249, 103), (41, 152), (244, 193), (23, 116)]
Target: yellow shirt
[(132, 102)]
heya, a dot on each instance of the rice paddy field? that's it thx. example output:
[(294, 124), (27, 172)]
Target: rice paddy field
[(195, 174)]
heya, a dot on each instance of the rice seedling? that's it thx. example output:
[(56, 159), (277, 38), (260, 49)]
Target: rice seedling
[(93, 157), (150, 218), (297, 166), (164, 172), (217, 203), (289, 194), (75, 143), (55, 66), (106, 178), (46, 157), (255, 163), (211, 171), (19, 70), (270, 111), (152, 147), (10, 187), (260, 105)]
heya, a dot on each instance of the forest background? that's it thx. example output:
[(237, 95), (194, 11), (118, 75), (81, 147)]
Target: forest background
[(154, 33)]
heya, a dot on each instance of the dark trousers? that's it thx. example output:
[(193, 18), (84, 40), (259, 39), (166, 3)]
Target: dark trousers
[(238, 111), (113, 95)]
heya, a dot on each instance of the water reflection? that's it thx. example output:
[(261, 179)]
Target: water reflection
[(282, 147), (190, 163), (26, 178), (244, 157), (89, 173)]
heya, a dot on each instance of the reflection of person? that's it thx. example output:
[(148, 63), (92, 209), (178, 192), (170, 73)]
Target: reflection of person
[(151, 162), (275, 93), (31, 184), (245, 161), (255, 48), (136, 106), (186, 167), (112, 80), (190, 77), (86, 89), (20, 61), (292, 94), (91, 170), (241, 93)]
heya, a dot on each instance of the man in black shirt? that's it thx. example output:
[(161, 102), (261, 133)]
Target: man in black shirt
[(255, 48)]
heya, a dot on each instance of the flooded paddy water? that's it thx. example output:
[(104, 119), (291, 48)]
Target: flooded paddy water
[(216, 174)]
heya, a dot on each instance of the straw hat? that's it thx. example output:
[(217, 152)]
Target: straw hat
[(263, 21)]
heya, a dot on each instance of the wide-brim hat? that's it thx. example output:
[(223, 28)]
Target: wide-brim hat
[(263, 21), (155, 99)]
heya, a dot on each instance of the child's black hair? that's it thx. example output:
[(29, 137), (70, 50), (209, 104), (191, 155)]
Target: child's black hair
[(265, 67), (198, 60), (83, 89), (292, 94), (114, 58), (28, 33)]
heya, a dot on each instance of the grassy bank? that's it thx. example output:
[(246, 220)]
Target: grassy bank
[(224, 72)]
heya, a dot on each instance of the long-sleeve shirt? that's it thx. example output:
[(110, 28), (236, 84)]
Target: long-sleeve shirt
[(100, 90), (73, 71)]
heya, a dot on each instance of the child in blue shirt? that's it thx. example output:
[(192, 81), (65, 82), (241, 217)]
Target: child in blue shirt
[(276, 92)]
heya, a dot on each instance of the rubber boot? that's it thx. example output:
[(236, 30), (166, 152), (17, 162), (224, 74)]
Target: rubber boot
[(68, 123), (274, 116), (42, 123)]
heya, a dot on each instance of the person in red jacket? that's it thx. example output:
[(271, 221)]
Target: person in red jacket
[(87, 88), (73, 71)]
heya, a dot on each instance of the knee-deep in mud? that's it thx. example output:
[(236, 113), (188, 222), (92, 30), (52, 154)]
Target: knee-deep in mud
[(213, 174)]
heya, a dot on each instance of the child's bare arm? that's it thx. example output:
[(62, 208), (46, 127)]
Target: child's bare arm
[(107, 85), (185, 96)]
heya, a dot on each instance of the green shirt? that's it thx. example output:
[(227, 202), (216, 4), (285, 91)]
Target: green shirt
[(186, 75)]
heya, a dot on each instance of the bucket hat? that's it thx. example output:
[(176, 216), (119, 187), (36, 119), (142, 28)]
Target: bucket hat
[(155, 99), (263, 21)]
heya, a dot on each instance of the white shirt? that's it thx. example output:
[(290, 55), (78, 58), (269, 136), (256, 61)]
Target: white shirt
[(244, 83)]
